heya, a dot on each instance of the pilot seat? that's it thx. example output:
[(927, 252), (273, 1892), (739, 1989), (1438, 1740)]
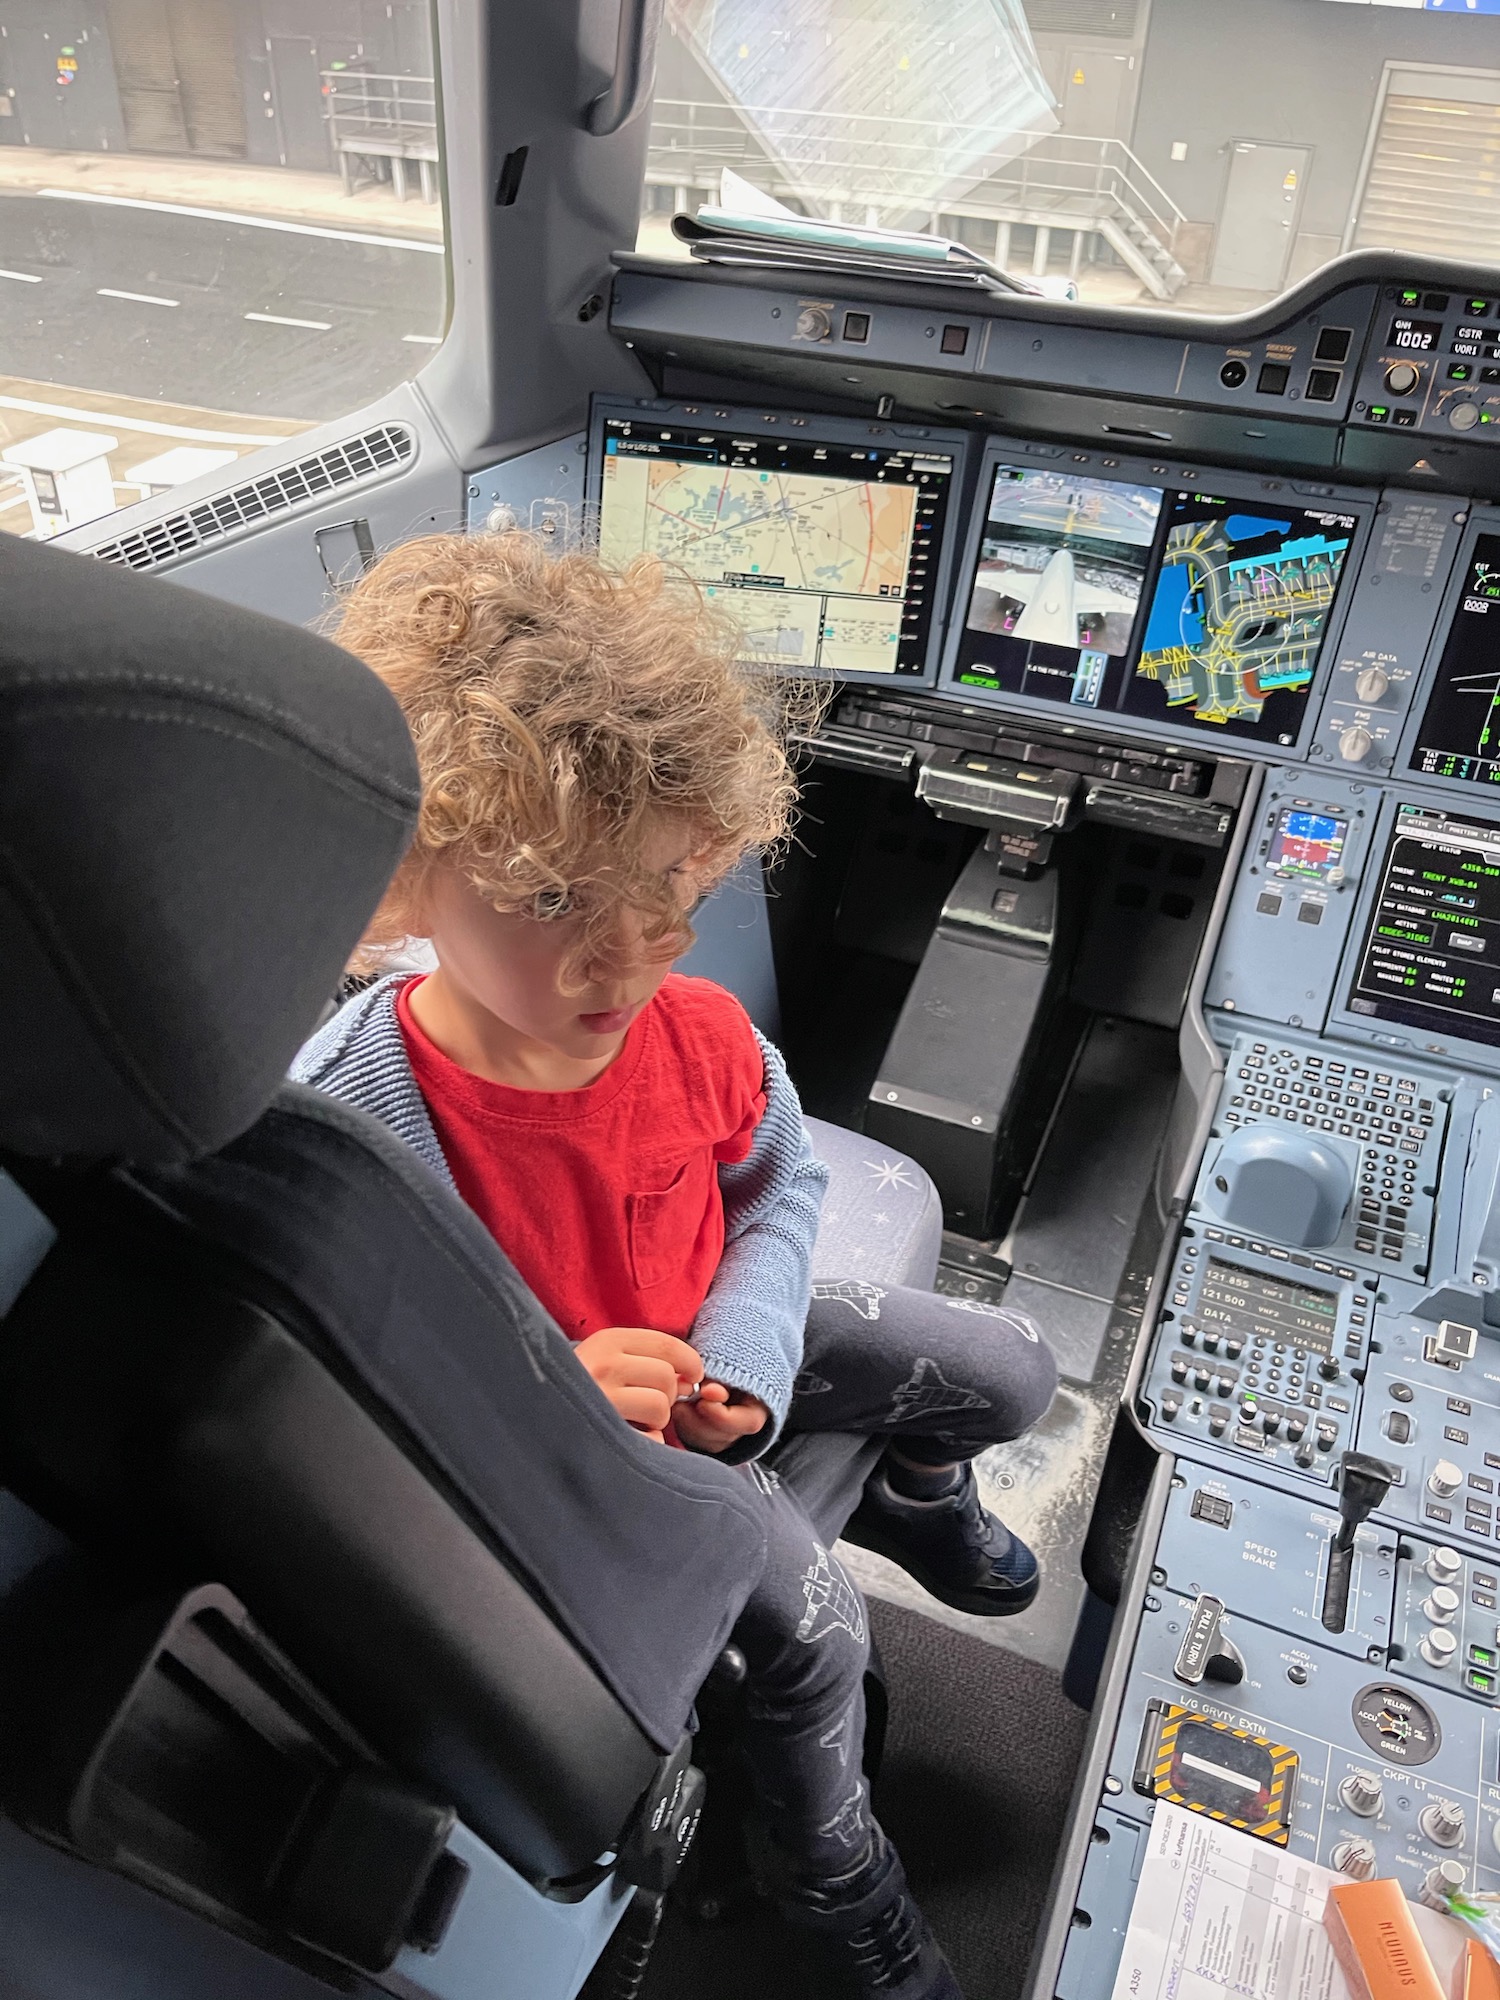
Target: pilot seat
[(294, 1697)]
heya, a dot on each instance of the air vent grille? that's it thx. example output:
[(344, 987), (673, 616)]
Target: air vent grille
[(278, 492), (1115, 18)]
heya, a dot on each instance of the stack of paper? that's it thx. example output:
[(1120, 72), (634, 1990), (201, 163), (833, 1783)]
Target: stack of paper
[(750, 227), (1219, 1911)]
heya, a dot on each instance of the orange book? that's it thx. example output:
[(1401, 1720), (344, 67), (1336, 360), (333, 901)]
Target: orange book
[(1377, 1944), (1481, 1974)]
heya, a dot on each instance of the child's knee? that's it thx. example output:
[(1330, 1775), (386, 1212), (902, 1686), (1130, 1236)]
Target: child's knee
[(1025, 1370)]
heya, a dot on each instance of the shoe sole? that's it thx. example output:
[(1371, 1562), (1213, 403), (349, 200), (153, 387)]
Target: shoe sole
[(978, 1603)]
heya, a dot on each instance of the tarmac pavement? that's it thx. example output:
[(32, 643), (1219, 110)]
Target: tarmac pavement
[(170, 302)]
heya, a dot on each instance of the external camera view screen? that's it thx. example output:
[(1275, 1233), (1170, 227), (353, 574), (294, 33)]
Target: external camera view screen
[(1431, 955), (1143, 600), (827, 554), (1460, 733)]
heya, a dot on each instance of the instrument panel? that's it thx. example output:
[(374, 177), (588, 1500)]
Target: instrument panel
[(1215, 581)]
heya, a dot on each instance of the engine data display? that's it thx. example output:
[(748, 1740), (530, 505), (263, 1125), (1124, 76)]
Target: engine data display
[(1248, 1304), (1431, 955), (1308, 844), (1173, 606), (827, 554), (1460, 732)]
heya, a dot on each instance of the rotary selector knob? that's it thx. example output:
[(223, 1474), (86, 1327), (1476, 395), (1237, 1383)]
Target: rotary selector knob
[(1371, 683), (1438, 1648), (1444, 1564), (1402, 378), (1445, 1479), (1442, 1822), (1463, 416), (1361, 1793), (1440, 1605), (1355, 743), (814, 323), (1447, 1875), (1355, 1858)]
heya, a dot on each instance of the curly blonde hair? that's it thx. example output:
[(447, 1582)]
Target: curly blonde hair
[(563, 712)]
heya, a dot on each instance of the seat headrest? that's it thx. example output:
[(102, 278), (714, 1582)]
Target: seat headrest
[(199, 809)]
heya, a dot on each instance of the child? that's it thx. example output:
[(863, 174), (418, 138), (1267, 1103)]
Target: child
[(593, 763)]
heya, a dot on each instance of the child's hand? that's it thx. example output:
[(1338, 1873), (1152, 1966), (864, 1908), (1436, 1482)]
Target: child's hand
[(642, 1372), (718, 1417)]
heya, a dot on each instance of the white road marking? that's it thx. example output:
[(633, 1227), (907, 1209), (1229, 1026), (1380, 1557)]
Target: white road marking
[(423, 339), (143, 424), (249, 221), (21, 277), (279, 319), (135, 298)]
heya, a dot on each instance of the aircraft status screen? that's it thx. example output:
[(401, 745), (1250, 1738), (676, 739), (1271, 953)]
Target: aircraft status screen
[(1431, 954), (827, 555), (1180, 607)]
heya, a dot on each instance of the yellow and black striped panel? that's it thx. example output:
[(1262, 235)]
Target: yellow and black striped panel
[(1189, 1779)]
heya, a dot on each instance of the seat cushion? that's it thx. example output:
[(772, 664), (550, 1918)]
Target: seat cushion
[(882, 1218)]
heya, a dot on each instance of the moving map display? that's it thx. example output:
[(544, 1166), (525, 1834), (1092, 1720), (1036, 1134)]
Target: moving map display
[(1460, 732), (1242, 597), (1431, 953), (826, 553), (1200, 609)]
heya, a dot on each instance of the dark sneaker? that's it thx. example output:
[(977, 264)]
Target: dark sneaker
[(871, 1931), (954, 1549)]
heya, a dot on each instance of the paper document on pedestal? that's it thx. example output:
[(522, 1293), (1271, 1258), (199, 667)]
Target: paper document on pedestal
[(1217, 1911)]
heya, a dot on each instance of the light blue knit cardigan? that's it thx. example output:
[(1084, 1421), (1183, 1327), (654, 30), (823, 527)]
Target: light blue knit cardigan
[(749, 1328)]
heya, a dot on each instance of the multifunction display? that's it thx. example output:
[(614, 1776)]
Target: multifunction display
[(1308, 844), (1460, 732), (1249, 1305), (1174, 606), (827, 554), (1431, 955)]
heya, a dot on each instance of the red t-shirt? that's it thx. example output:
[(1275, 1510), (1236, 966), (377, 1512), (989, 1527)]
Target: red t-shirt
[(606, 1199)]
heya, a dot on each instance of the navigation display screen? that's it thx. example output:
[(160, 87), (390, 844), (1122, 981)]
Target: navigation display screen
[(1431, 955), (827, 554), (1246, 1303), (1460, 732), (1143, 600), (1308, 844)]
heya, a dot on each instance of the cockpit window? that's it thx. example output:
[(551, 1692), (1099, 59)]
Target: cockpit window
[(221, 222), (1184, 153)]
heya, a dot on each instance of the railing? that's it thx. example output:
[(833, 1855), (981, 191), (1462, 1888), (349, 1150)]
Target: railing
[(1072, 170), (381, 112), (875, 170)]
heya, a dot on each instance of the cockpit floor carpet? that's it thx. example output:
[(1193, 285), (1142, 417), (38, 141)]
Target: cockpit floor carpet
[(979, 1765)]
